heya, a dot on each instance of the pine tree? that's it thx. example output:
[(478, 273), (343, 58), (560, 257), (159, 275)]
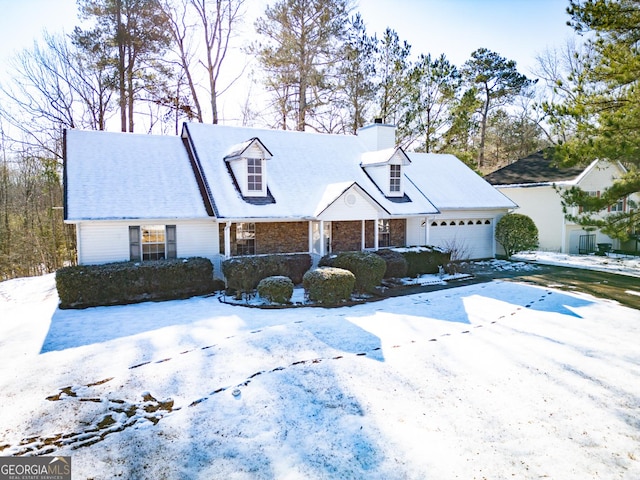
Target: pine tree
[(300, 54), (357, 73), (138, 34), (496, 81), (392, 72), (431, 93), (605, 107)]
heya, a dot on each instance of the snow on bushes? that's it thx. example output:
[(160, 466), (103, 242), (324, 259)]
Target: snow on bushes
[(367, 267), (329, 285), (276, 289)]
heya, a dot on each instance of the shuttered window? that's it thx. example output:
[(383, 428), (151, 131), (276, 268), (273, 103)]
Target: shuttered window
[(171, 241), (134, 244), (152, 242)]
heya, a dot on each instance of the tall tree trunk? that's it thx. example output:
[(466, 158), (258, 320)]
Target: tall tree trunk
[(121, 70)]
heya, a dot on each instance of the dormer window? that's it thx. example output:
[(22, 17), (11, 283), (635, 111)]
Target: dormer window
[(247, 162), (384, 167), (254, 175), (394, 178)]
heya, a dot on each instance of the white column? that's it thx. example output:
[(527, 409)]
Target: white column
[(227, 240), (310, 237), (322, 239), (362, 236)]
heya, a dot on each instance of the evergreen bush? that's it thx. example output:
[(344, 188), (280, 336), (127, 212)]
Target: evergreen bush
[(276, 289), (119, 283), (367, 267), (395, 262), (516, 233), (244, 273), (421, 260), (329, 285)]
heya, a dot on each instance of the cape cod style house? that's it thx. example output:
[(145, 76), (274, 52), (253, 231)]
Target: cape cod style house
[(535, 184), (219, 191)]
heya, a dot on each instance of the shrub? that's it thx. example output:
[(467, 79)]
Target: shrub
[(421, 260), (84, 286), (395, 262), (329, 285), (367, 267), (516, 233), (276, 289), (244, 273)]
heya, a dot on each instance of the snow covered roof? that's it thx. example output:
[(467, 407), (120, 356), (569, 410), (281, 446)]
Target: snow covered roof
[(244, 150), (113, 176), (451, 185), (122, 176), (302, 166), (381, 157)]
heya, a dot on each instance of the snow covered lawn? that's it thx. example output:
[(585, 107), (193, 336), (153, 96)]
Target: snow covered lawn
[(490, 381)]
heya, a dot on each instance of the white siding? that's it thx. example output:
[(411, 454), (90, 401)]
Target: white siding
[(104, 242), (542, 205), (351, 205), (198, 239)]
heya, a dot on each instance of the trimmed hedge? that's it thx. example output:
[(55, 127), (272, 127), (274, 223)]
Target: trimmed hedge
[(244, 273), (367, 267), (120, 283), (516, 233), (397, 266), (421, 260), (329, 285), (276, 289)]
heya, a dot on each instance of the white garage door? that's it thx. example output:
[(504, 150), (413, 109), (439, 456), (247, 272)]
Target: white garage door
[(472, 238)]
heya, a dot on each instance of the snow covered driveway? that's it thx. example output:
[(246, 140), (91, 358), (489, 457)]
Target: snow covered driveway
[(496, 380)]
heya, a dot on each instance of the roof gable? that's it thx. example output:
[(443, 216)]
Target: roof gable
[(252, 148), (388, 156)]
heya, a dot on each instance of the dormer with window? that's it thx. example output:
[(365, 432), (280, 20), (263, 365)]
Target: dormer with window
[(385, 168), (247, 162)]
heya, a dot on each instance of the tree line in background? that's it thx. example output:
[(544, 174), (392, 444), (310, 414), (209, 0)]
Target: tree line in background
[(149, 65)]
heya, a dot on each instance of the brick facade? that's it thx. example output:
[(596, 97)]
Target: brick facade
[(293, 237), (282, 237), (397, 232), (346, 236)]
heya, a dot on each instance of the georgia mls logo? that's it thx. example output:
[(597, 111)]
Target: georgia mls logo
[(35, 468)]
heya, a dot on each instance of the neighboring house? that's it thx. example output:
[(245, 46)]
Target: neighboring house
[(219, 191), (534, 184)]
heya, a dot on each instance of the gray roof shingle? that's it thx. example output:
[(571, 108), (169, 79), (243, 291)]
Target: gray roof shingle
[(534, 169)]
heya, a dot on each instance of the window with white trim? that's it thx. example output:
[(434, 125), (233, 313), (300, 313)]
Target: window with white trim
[(254, 175), (394, 178), (152, 242), (618, 207), (245, 238), (384, 233)]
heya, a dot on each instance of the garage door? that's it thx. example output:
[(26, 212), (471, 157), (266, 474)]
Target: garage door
[(471, 238)]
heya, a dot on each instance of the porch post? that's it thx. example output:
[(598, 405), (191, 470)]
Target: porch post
[(227, 240), (427, 234), (375, 234), (323, 240), (310, 234), (362, 236)]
